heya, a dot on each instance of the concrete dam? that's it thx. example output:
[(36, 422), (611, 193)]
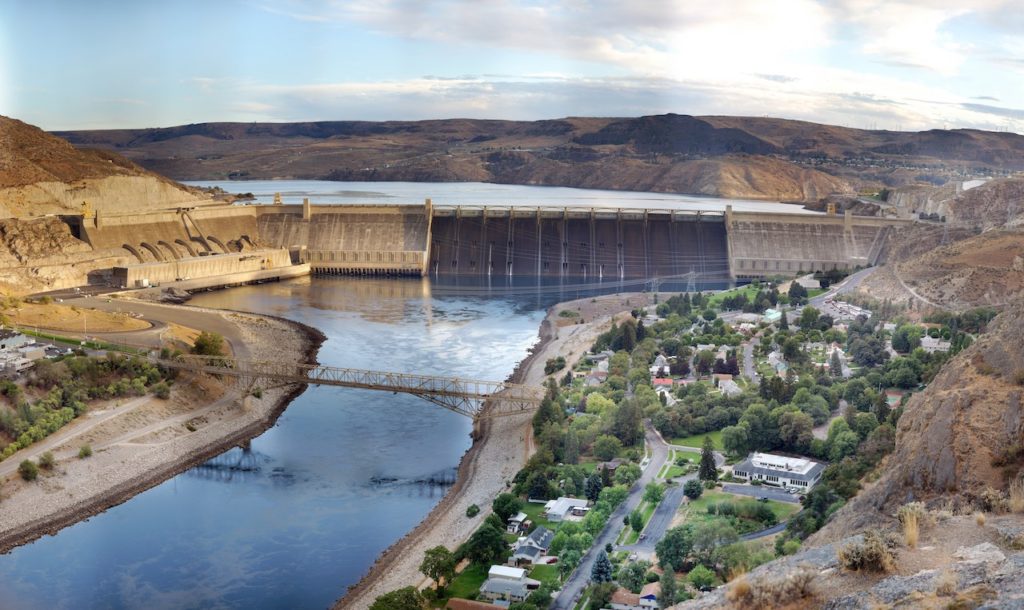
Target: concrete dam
[(552, 244)]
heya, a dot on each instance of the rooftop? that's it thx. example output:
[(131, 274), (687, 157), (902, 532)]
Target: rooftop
[(506, 572), (779, 462)]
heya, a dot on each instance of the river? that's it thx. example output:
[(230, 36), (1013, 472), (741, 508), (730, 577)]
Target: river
[(343, 474)]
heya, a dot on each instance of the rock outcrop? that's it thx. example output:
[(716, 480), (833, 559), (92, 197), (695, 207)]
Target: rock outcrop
[(42, 174), (959, 436)]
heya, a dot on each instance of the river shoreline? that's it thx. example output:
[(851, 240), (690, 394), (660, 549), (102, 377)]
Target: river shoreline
[(495, 456), (121, 477)]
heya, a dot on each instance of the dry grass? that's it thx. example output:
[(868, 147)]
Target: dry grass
[(911, 530), (62, 318), (912, 516), (979, 518), (1017, 495), (945, 584), (772, 591)]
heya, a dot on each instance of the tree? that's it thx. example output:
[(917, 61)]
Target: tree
[(796, 431), (607, 447), (506, 506), (208, 344), (629, 421), (636, 520), (571, 447), (709, 536), (592, 488), (693, 489), (669, 588), (809, 318), (844, 444), (701, 577), (486, 546), (704, 361), (627, 474), (784, 321), (601, 595), (835, 364), (602, 569), (707, 471), (407, 598), (47, 461), (633, 575), (734, 439), (675, 547), (797, 293), (28, 470), (439, 566), (653, 493)]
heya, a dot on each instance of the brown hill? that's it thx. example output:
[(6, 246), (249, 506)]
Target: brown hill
[(43, 174), (959, 436), (654, 152)]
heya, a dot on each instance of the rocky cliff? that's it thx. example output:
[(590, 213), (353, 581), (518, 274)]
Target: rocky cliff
[(42, 174), (961, 435)]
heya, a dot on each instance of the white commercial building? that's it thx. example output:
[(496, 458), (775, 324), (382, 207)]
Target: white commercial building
[(779, 471)]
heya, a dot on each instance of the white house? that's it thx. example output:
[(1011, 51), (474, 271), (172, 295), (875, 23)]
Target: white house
[(515, 524), (649, 596), (729, 387), (507, 584), (779, 471), (558, 510), (529, 549)]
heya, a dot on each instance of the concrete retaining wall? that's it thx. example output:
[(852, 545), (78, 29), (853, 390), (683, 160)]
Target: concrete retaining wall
[(200, 267)]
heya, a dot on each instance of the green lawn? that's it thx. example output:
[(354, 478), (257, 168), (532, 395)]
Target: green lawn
[(536, 514), (546, 573), (698, 509), (693, 456), (468, 582), (813, 292), (715, 300), (698, 440)]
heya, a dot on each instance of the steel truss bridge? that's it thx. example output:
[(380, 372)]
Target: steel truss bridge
[(472, 398)]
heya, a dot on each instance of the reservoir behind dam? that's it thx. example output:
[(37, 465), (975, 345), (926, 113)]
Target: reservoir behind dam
[(343, 474)]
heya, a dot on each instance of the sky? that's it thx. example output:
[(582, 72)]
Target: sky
[(876, 64)]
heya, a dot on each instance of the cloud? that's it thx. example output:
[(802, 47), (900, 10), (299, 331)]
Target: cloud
[(1011, 113), (778, 78)]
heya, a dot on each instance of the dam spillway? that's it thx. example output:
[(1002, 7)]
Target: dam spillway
[(552, 244)]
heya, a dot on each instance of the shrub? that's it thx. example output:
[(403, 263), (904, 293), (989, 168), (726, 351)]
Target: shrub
[(46, 461), (257, 392), (161, 390), (772, 590), (790, 546), (945, 584), (472, 511), (28, 470), (979, 518), (870, 555), (84, 451), (1017, 495), (693, 489)]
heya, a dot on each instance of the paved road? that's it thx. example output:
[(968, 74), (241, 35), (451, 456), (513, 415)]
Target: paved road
[(775, 529), (579, 580), (762, 491), (748, 360), (821, 432), (156, 314), (848, 285)]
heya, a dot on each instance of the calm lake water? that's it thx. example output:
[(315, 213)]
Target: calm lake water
[(480, 193), (342, 475)]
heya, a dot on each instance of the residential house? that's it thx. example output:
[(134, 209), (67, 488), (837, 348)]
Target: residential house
[(595, 378), (649, 595), (558, 510), (507, 584), (931, 345), (772, 315), (778, 362), (611, 466), (529, 549), (515, 523), (624, 599), (662, 382), (729, 388), (779, 471)]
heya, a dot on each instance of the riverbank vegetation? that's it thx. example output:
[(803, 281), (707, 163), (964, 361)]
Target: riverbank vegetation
[(57, 391)]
